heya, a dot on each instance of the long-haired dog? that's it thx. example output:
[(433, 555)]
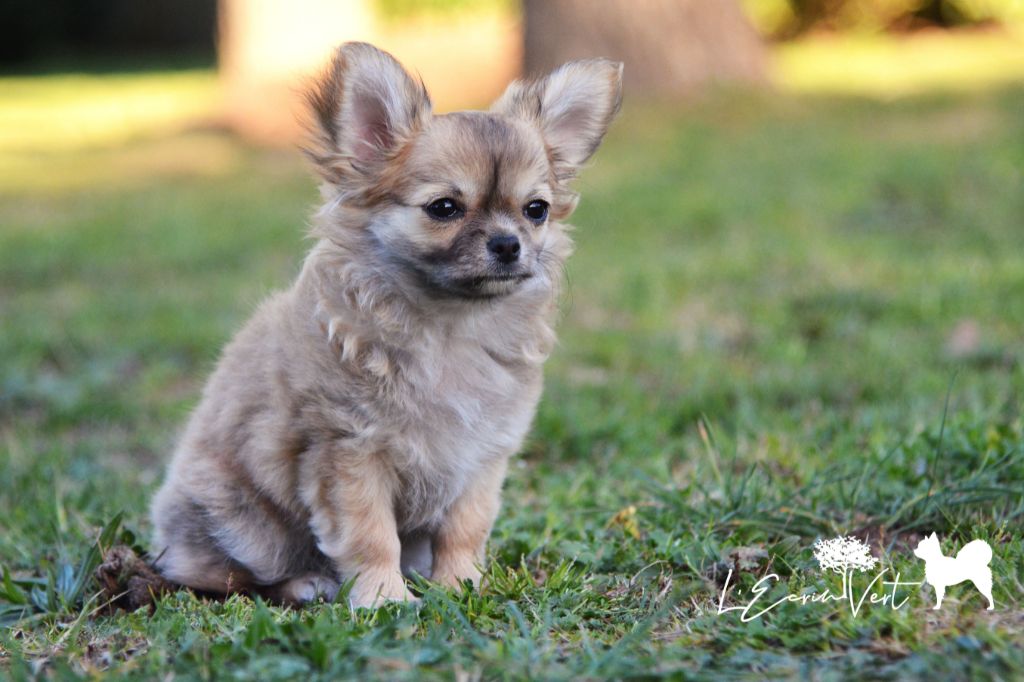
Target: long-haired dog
[(970, 563), (360, 424)]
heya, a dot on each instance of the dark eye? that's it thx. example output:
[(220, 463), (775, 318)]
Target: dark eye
[(537, 211), (443, 209)]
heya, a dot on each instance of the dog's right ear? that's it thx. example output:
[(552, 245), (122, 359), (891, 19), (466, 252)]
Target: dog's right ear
[(365, 107), (572, 106)]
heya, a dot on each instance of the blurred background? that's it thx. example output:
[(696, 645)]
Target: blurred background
[(240, 63)]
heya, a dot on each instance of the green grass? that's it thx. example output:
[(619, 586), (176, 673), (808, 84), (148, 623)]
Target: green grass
[(755, 353)]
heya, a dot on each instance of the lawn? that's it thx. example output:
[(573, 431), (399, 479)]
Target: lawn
[(790, 317)]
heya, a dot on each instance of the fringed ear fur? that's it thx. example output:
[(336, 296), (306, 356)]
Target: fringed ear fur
[(365, 107), (572, 107)]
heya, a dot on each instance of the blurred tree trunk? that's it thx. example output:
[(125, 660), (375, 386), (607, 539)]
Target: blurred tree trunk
[(670, 47)]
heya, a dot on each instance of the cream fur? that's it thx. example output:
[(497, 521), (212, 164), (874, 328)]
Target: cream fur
[(359, 423)]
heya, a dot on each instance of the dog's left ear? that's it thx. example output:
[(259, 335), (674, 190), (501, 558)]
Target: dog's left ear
[(365, 108), (572, 107)]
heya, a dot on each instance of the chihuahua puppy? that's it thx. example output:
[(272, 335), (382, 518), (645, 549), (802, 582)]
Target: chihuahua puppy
[(360, 424)]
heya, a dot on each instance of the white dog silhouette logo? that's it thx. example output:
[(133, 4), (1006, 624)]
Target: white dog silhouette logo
[(970, 563)]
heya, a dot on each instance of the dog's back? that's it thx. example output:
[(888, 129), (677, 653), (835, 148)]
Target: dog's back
[(972, 560), (975, 553)]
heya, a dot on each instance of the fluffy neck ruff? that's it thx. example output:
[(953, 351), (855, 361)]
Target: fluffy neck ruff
[(367, 307)]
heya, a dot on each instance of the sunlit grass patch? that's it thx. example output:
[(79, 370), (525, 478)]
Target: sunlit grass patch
[(75, 131), (163, 156), (67, 112), (888, 66)]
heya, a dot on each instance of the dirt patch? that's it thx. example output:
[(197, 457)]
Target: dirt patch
[(883, 540), (128, 582)]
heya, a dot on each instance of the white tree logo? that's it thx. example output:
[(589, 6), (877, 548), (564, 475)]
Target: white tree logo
[(848, 556), (842, 554)]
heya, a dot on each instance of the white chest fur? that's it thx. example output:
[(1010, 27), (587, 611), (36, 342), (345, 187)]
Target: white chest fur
[(457, 405), (441, 389)]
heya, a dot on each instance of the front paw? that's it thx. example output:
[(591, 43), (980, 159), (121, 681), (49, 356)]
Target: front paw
[(375, 588), (454, 572)]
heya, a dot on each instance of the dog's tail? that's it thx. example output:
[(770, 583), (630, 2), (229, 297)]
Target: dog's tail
[(975, 552)]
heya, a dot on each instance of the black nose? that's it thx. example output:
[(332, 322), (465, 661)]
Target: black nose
[(504, 248)]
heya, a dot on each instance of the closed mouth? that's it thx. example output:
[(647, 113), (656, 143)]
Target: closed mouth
[(487, 282), (487, 286), (510, 277)]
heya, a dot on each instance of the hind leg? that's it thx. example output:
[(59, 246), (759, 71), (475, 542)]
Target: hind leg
[(202, 569), (185, 552), (225, 542), (984, 585)]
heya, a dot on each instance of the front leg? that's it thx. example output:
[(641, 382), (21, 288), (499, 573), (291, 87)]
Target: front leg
[(354, 521), (462, 537)]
